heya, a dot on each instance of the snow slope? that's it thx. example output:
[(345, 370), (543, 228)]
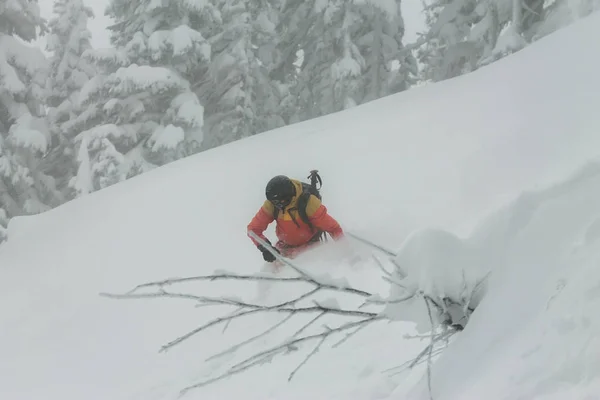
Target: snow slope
[(444, 156)]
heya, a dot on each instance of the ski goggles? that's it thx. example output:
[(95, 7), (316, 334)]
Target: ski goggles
[(280, 203)]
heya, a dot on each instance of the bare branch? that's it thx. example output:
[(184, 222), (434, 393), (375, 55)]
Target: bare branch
[(394, 300), (481, 281), (328, 310), (394, 282), (413, 363), (268, 354), (216, 277), (213, 322), (162, 293), (294, 301), (289, 308), (349, 335), (249, 308), (312, 321), (312, 353), (430, 347), (229, 276), (237, 310), (430, 350), (207, 300), (253, 310), (381, 267), (232, 349), (398, 268), (291, 344)]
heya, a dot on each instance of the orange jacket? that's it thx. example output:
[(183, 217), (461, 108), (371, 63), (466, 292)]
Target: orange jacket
[(287, 231)]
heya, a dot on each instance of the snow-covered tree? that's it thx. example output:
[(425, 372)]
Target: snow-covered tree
[(342, 53), (240, 99), (466, 34), (69, 71), (141, 110), (292, 27), (25, 185), (332, 66), (388, 68), (560, 13), (506, 26), (319, 54), (448, 52)]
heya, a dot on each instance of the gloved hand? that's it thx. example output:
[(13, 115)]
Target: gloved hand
[(267, 255)]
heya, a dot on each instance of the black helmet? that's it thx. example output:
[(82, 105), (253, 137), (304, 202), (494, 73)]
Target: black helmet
[(280, 191)]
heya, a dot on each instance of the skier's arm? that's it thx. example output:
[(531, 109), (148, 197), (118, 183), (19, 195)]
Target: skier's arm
[(320, 218), (261, 221)]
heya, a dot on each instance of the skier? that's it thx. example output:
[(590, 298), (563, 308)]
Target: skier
[(302, 220)]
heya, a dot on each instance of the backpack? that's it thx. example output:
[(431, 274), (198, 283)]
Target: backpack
[(307, 190)]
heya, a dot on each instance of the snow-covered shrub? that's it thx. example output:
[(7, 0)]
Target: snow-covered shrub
[(435, 271)]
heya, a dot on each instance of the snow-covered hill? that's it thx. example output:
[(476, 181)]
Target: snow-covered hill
[(447, 156)]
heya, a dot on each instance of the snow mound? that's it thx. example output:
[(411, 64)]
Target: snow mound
[(536, 330), (438, 266)]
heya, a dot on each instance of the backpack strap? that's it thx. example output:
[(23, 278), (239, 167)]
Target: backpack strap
[(292, 215), (302, 204)]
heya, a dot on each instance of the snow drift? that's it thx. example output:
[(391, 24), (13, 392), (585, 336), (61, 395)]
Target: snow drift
[(534, 333), (435, 159)]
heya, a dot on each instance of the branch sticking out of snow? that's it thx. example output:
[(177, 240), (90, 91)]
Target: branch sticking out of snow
[(290, 308), (224, 275), (283, 348), (405, 293)]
